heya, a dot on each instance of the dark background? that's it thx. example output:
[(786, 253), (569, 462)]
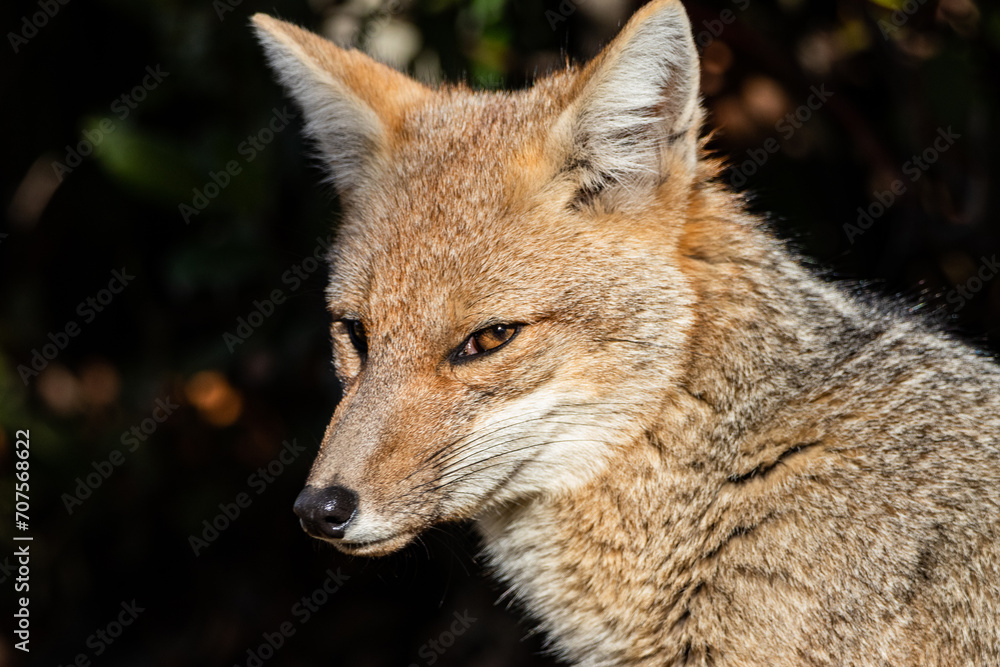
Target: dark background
[(162, 336)]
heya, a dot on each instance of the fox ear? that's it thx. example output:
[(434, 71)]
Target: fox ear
[(635, 116), (350, 102)]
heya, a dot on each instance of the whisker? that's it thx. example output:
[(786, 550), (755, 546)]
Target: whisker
[(544, 414), (451, 459), (453, 443), (494, 445), (496, 456), (457, 443)]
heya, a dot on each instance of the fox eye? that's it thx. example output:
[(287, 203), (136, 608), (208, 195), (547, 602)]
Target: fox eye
[(487, 340), (356, 331)]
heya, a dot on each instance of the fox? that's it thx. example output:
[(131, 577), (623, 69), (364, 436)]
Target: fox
[(678, 445)]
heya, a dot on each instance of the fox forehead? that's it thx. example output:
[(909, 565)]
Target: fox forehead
[(469, 273), (455, 128), (450, 205), (453, 158)]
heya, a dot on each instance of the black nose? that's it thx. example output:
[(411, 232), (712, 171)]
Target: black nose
[(326, 512)]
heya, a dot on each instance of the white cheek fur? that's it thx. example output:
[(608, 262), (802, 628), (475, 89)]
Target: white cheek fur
[(548, 441)]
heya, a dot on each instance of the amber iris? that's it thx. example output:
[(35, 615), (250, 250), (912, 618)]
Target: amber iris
[(487, 340)]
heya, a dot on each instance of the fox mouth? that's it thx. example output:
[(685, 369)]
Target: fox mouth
[(379, 547)]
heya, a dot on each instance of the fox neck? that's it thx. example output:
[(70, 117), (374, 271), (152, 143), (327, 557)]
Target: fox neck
[(642, 533)]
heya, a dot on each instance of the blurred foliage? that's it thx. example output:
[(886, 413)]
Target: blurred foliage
[(899, 71)]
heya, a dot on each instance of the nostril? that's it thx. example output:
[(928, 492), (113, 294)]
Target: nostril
[(339, 505), (326, 512)]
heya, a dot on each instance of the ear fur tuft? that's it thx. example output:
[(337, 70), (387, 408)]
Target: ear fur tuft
[(637, 116)]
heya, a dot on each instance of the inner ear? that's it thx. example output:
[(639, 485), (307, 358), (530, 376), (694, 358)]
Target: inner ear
[(635, 118), (351, 103)]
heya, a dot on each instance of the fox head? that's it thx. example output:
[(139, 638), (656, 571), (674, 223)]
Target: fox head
[(505, 308)]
